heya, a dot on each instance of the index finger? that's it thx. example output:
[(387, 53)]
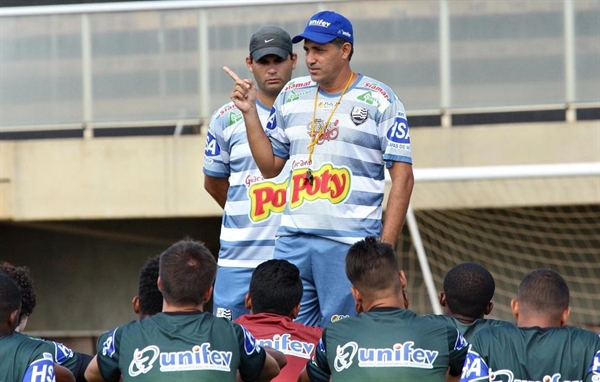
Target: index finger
[(231, 74)]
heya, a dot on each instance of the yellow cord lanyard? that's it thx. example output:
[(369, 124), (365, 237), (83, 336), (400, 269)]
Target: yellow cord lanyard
[(317, 135)]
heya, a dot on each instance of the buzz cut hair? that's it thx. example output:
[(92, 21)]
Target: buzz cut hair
[(187, 270), (543, 292), (372, 267), (150, 297), (469, 288), (275, 287)]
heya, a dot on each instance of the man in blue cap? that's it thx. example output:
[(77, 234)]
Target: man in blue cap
[(339, 130)]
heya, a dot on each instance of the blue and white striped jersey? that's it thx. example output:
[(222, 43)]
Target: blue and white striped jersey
[(367, 132), (254, 204)]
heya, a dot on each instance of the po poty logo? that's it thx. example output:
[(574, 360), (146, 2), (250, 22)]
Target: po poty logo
[(329, 183), (266, 198), (331, 131)]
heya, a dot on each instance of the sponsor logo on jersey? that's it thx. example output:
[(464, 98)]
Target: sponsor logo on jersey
[(329, 183), (224, 313), (508, 376), (368, 98), (377, 88), (266, 198), (250, 344), (359, 115), (398, 132), (344, 356), (319, 23), (595, 368), (331, 131), (288, 346), (399, 355), (296, 85), (226, 108), (337, 317), (201, 357), (63, 353), (294, 96), (40, 370), (108, 348), (475, 368), (326, 105), (460, 341), (271, 121), (235, 118), (212, 148)]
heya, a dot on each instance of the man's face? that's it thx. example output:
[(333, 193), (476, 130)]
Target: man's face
[(272, 72), (324, 61)]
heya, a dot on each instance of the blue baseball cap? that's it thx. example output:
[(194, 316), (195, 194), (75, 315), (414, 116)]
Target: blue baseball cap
[(325, 27)]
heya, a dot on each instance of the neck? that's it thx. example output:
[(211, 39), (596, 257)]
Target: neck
[(168, 308), (542, 322), (386, 302), (464, 319), (266, 99), (338, 84)]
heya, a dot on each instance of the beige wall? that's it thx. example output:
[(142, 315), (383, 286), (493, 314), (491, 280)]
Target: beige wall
[(154, 177)]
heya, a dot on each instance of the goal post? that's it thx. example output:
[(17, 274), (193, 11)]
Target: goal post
[(509, 240)]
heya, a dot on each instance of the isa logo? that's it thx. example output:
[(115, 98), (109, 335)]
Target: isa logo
[(272, 121), (399, 131), (250, 344), (212, 148), (63, 353)]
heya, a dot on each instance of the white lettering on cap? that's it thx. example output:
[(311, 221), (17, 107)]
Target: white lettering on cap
[(319, 23)]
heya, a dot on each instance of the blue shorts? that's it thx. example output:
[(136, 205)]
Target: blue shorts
[(230, 291), (327, 297)]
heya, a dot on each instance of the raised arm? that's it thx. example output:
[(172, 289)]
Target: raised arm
[(402, 185), (243, 96), (217, 188)]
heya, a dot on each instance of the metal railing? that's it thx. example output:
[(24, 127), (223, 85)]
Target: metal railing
[(93, 66)]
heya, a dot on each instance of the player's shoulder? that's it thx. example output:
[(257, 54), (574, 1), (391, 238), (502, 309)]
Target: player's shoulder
[(581, 334)]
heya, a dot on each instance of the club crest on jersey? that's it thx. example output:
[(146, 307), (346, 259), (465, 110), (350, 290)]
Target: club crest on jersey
[(331, 131), (224, 313), (266, 198), (329, 183), (212, 148), (201, 357), (359, 115), (288, 346)]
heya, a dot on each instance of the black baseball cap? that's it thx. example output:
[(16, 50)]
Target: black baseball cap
[(270, 39)]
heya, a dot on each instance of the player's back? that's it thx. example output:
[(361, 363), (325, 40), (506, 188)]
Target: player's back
[(25, 359), (468, 330), (183, 346), (295, 340), (534, 354), (388, 344)]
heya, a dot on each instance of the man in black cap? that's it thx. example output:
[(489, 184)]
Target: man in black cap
[(252, 204)]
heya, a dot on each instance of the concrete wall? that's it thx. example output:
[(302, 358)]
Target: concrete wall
[(159, 177)]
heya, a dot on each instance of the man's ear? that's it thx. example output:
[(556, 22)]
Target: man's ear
[(514, 306), (207, 294), (249, 63), (135, 304), (248, 302), (294, 313), (346, 49), (159, 284), (403, 282), (565, 316), (356, 295), (489, 308), (294, 58), (442, 298)]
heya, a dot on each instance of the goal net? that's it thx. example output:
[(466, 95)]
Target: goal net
[(509, 242)]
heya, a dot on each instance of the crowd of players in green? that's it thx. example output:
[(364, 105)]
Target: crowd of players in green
[(175, 340)]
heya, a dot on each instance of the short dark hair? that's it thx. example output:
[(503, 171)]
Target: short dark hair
[(10, 296), (543, 292), (275, 287), (150, 297), (21, 276), (338, 42), (469, 288), (371, 266), (187, 270)]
